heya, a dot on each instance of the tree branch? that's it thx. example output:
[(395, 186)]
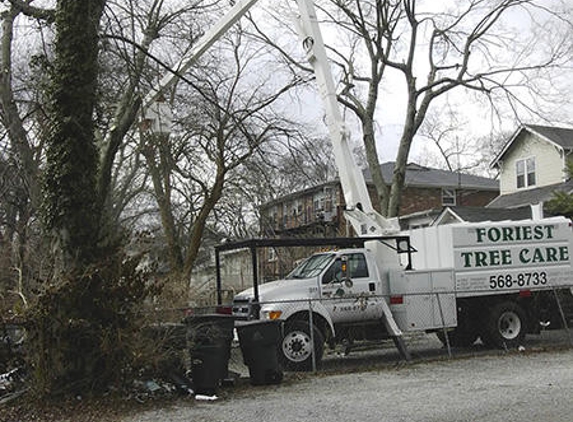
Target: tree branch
[(47, 15)]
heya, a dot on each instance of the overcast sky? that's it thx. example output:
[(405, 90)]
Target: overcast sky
[(531, 27)]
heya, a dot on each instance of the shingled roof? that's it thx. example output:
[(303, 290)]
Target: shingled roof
[(530, 196), (416, 176), (420, 176), (558, 135), (476, 214)]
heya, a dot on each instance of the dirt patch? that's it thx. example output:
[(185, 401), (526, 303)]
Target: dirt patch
[(101, 409)]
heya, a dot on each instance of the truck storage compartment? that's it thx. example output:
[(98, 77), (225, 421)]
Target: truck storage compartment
[(423, 300)]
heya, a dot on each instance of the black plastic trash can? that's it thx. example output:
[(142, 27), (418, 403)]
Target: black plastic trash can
[(209, 338), (258, 341)]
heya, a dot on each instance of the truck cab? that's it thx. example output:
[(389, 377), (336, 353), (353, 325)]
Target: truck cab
[(341, 289)]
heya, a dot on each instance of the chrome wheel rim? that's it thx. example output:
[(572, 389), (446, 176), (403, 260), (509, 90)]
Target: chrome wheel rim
[(297, 346), (509, 325)]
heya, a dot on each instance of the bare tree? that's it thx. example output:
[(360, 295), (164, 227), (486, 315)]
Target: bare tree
[(434, 52), (224, 116), (449, 145), (76, 322)]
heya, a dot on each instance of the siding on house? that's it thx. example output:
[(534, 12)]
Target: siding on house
[(549, 163)]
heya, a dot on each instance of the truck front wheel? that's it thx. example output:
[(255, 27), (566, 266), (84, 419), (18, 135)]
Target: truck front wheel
[(505, 325), (296, 348)]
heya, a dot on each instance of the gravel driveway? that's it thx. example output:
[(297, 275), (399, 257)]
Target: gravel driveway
[(514, 387)]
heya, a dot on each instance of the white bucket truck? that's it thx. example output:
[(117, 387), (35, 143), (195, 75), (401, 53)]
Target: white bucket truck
[(492, 280)]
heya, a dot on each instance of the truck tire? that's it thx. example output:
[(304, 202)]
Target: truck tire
[(505, 326), (295, 347)]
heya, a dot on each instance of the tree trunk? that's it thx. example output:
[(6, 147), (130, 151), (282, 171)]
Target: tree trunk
[(160, 177), (199, 224), (410, 129), (71, 206), (10, 115), (369, 139)]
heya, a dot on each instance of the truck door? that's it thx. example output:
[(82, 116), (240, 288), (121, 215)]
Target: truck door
[(351, 298)]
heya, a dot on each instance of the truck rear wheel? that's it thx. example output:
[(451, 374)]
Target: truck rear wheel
[(505, 325), (295, 348)]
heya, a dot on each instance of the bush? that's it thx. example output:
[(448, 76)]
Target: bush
[(84, 329)]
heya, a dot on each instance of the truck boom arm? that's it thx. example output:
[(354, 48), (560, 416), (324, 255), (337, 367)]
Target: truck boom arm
[(365, 220), (203, 44)]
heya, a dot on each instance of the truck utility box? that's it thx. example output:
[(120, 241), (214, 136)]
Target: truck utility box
[(500, 257), (423, 300)]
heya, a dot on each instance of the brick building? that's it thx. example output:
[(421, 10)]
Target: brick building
[(318, 211)]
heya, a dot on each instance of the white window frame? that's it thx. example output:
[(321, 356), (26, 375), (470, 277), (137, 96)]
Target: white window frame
[(318, 202), (528, 173), (449, 197), (272, 255)]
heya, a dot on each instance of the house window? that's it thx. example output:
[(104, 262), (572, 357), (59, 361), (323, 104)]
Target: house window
[(525, 170), (448, 197), (328, 199), (319, 202)]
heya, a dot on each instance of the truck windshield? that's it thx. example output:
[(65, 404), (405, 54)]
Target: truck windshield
[(312, 267)]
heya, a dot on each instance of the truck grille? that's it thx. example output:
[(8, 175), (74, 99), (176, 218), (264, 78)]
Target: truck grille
[(242, 308), (245, 309)]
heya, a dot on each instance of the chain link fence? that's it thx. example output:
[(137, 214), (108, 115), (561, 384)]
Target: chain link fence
[(345, 327), (352, 331)]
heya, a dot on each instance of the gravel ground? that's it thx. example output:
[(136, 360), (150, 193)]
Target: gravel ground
[(514, 387)]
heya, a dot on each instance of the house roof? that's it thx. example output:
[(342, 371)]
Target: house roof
[(476, 214), (420, 176), (416, 176), (416, 217), (530, 196), (558, 136)]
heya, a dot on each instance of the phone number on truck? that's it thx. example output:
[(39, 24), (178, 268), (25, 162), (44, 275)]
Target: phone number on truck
[(509, 281)]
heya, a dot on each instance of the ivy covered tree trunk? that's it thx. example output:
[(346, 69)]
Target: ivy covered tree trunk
[(70, 200), (69, 322), (84, 327)]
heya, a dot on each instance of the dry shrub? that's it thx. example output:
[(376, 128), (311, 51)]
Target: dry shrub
[(84, 330), (174, 293)]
